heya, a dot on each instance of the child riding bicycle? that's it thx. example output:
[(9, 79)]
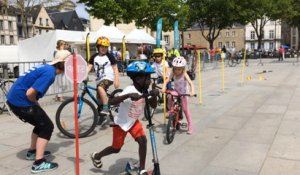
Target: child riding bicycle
[(183, 85), (131, 109), (159, 65), (106, 69)]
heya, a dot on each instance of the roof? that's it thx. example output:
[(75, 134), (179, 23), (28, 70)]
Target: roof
[(67, 20)]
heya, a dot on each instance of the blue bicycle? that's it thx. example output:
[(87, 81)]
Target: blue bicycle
[(88, 115)]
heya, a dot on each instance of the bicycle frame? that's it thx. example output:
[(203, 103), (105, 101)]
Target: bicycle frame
[(177, 110)]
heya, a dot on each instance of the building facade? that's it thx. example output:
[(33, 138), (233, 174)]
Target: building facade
[(272, 36), (42, 22), (8, 27)]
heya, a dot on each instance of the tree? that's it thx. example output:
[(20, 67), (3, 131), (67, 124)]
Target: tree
[(259, 12), (212, 15), (143, 12), (292, 15)]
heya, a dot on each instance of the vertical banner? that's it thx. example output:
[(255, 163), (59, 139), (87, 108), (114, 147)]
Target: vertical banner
[(158, 32), (176, 35), (123, 49)]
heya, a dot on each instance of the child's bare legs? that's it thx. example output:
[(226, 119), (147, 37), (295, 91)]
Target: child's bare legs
[(106, 151), (142, 141), (33, 141), (187, 113), (103, 99)]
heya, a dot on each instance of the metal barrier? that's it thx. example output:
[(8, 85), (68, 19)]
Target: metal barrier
[(12, 70)]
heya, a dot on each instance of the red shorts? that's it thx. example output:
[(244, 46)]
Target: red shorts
[(119, 134)]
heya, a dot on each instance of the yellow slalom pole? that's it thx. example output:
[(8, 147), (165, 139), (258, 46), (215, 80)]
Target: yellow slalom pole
[(199, 77), (123, 49), (164, 95), (88, 47), (243, 68), (223, 67)]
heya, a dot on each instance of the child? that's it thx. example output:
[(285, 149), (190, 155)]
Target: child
[(159, 65), (106, 69), (182, 82), (131, 109)]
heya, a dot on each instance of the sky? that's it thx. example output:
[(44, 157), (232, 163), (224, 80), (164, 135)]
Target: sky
[(81, 11)]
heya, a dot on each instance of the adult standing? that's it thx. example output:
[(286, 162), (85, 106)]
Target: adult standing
[(281, 53), (60, 45), (23, 98)]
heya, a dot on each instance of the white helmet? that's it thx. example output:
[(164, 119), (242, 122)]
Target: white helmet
[(179, 62)]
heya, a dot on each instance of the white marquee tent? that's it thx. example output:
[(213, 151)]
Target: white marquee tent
[(139, 36), (111, 32)]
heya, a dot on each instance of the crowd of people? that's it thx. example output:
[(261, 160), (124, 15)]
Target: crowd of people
[(31, 86)]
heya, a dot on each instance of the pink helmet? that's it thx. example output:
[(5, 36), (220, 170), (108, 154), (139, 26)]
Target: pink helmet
[(179, 62)]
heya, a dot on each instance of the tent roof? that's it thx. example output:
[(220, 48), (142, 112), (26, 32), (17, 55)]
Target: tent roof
[(139, 36), (111, 32)]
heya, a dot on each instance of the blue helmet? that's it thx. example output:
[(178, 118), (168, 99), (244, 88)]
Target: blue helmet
[(139, 67)]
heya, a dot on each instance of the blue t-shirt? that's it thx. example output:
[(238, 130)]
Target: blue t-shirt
[(39, 78)]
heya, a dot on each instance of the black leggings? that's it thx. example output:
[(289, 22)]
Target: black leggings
[(37, 117)]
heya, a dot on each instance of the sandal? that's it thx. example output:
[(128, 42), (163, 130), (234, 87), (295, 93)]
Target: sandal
[(143, 172)]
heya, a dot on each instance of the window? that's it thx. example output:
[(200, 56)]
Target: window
[(11, 39), (233, 33), (220, 34), (233, 44), (10, 27), (19, 19), (252, 35), (252, 45), (1, 24), (20, 31), (166, 39), (227, 44), (41, 22), (47, 22), (227, 34), (2, 40), (271, 34), (262, 46), (40, 31), (272, 22), (189, 36), (271, 46), (219, 44)]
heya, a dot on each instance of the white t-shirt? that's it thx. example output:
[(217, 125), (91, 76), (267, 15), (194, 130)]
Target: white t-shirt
[(158, 67), (129, 110), (103, 68)]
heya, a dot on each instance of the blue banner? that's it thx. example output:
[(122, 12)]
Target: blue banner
[(176, 35), (158, 32)]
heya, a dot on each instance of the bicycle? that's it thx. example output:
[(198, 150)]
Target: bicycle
[(88, 115), (175, 115), (5, 85), (237, 59)]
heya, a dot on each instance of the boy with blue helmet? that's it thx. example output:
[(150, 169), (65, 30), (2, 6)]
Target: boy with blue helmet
[(131, 109)]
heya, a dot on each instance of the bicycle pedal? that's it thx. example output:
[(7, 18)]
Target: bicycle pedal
[(183, 125)]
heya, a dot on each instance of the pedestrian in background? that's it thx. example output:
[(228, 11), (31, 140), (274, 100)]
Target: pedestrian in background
[(60, 45)]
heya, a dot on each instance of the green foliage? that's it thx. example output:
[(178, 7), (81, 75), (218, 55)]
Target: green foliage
[(143, 12)]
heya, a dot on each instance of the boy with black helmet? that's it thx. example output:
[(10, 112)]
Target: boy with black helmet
[(131, 109), (106, 69)]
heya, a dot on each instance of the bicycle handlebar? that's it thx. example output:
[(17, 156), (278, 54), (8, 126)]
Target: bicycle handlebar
[(181, 95)]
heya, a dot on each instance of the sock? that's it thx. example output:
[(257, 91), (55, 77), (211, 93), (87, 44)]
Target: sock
[(32, 151), (39, 161), (105, 107)]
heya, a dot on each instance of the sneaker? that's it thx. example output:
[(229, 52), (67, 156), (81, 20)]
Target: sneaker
[(105, 112), (96, 163), (31, 154), (44, 166)]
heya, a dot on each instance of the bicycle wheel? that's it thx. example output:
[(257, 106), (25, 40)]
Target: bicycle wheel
[(170, 134), (231, 62), (87, 118), (7, 84)]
